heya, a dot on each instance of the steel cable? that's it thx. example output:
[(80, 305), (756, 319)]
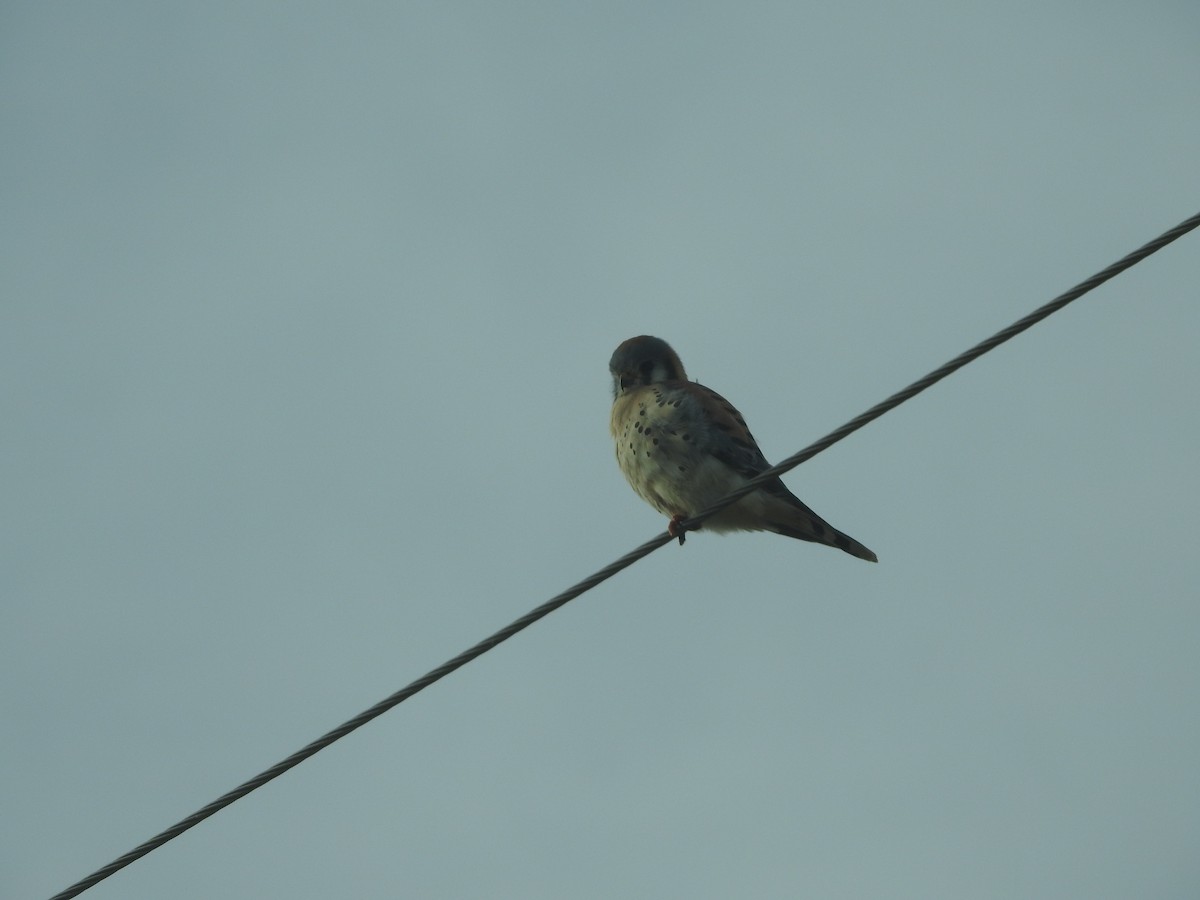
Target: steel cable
[(629, 559)]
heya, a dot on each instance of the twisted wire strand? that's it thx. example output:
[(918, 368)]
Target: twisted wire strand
[(625, 561)]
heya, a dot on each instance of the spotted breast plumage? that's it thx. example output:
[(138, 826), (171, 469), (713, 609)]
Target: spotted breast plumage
[(683, 446)]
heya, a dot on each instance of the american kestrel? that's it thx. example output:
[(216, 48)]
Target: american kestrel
[(682, 447)]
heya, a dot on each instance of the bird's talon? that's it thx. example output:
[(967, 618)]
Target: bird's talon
[(675, 531)]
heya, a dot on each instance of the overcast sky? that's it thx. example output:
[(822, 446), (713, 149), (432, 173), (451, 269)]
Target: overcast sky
[(305, 315)]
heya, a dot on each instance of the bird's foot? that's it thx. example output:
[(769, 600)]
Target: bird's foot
[(674, 529)]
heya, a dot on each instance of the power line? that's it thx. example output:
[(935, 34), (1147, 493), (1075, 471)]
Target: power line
[(946, 369), (629, 559)]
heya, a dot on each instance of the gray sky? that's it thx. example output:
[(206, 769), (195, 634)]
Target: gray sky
[(305, 314)]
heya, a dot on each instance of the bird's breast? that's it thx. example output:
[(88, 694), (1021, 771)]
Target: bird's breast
[(662, 450)]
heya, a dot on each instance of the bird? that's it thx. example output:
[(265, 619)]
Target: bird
[(682, 447)]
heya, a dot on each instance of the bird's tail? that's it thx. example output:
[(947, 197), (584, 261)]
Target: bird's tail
[(828, 535), (800, 522)]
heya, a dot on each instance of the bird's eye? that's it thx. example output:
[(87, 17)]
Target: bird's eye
[(647, 370)]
